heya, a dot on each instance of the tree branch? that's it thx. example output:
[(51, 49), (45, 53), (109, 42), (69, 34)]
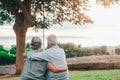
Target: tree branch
[(26, 13), (9, 8)]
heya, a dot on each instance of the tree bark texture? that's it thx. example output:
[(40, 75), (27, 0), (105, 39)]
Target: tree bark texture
[(20, 28)]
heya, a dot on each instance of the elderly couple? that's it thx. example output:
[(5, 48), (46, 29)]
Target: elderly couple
[(47, 65)]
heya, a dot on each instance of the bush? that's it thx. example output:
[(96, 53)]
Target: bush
[(100, 50), (28, 48), (117, 51), (78, 52), (71, 50), (13, 49), (3, 49), (6, 58), (68, 48), (104, 50)]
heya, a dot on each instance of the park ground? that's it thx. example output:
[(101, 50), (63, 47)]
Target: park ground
[(83, 75)]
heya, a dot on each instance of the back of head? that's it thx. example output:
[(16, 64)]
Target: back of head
[(52, 39), (36, 43)]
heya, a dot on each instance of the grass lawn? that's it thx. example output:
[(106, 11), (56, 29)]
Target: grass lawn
[(91, 75)]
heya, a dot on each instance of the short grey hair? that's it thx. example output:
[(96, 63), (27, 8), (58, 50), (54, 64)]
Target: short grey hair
[(36, 43), (52, 39)]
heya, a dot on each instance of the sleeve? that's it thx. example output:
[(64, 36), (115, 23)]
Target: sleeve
[(28, 55), (40, 56)]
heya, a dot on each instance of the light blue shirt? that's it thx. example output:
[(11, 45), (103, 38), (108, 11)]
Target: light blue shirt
[(34, 69), (57, 57)]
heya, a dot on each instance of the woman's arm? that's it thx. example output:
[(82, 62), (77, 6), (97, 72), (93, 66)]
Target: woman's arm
[(55, 69)]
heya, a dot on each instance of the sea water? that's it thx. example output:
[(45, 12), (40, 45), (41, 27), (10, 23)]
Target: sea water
[(85, 36)]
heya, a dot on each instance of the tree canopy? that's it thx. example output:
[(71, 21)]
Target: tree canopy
[(5, 17), (52, 11), (46, 12)]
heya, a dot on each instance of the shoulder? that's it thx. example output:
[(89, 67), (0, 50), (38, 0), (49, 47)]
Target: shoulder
[(62, 49), (48, 50)]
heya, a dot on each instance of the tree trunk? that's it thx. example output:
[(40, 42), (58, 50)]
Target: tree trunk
[(20, 28), (20, 43), (20, 40)]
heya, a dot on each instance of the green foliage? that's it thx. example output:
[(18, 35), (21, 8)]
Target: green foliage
[(68, 48), (13, 49), (3, 49), (78, 52), (50, 11), (6, 58), (58, 11), (71, 50), (28, 45), (28, 48), (5, 17)]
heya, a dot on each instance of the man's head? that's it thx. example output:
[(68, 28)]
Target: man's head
[(36, 43), (51, 40)]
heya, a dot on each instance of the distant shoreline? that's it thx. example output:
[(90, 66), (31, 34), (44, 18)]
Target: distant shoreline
[(85, 36), (8, 41)]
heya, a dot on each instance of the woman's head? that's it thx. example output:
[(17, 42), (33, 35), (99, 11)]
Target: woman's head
[(36, 43)]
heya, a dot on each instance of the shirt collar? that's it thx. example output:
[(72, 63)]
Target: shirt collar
[(55, 46)]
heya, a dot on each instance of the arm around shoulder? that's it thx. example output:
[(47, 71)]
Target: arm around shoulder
[(56, 69), (25, 54)]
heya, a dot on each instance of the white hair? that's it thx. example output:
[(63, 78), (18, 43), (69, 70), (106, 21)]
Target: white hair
[(52, 39)]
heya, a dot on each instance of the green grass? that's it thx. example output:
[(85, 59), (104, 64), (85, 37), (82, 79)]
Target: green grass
[(16, 78), (91, 75), (95, 75)]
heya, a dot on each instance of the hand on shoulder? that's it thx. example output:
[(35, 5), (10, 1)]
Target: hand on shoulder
[(25, 54)]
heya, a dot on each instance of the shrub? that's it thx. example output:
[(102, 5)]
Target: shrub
[(12, 59), (78, 52), (13, 49), (71, 50), (68, 48), (28, 47), (117, 51), (100, 50), (104, 50), (96, 51), (6, 58), (3, 49)]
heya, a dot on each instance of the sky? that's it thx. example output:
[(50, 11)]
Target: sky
[(104, 31), (105, 16)]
